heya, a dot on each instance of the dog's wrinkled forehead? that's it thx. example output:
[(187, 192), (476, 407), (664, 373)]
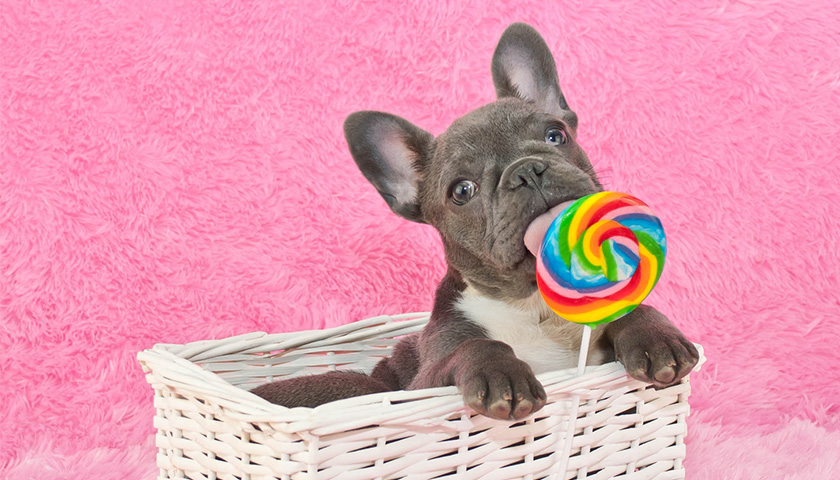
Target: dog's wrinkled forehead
[(489, 137)]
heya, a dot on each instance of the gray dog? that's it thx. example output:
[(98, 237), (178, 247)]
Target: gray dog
[(490, 185)]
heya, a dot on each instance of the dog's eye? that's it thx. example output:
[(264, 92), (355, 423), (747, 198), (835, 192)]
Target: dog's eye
[(463, 191), (556, 136)]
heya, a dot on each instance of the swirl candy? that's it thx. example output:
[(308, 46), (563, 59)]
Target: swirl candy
[(600, 258)]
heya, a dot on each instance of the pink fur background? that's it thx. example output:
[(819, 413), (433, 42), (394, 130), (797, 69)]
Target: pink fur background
[(176, 171)]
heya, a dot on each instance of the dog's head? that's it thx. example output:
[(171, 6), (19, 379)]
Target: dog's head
[(490, 174)]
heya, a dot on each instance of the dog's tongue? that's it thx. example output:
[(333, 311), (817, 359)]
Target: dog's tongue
[(536, 230)]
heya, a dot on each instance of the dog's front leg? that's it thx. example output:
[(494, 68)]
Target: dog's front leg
[(650, 347), (454, 351), (491, 379)]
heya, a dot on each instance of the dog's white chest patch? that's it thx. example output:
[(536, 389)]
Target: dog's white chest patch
[(538, 336)]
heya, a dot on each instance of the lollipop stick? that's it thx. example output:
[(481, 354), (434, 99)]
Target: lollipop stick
[(570, 431), (584, 349)]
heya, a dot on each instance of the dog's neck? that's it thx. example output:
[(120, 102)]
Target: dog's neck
[(536, 304), (537, 334)]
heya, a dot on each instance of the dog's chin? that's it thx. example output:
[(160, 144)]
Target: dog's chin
[(529, 265), (527, 262), (522, 276), (514, 266)]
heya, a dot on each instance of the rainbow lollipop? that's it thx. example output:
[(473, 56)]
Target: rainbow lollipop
[(600, 258)]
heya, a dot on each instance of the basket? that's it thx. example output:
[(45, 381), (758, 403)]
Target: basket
[(209, 426)]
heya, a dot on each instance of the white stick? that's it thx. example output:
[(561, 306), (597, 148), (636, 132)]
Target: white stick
[(584, 349), (570, 432)]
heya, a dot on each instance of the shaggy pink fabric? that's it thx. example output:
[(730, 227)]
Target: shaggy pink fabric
[(175, 171)]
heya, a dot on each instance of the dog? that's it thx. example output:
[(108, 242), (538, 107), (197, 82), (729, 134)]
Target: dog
[(490, 184)]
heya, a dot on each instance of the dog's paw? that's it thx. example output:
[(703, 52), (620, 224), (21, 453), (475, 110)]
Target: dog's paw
[(655, 351), (502, 386)]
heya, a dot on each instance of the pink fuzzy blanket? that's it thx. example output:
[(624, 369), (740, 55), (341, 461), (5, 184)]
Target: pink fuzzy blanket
[(176, 171)]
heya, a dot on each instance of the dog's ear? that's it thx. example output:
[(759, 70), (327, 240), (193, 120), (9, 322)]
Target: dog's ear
[(523, 67), (390, 151)]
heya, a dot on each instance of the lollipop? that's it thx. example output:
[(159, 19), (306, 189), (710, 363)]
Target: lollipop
[(600, 258)]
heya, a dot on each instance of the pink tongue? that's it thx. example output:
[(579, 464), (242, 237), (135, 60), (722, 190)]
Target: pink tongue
[(537, 229)]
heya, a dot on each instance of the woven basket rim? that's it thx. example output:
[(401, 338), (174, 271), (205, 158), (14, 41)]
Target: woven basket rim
[(175, 362)]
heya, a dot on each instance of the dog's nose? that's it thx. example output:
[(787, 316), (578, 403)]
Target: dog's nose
[(524, 172)]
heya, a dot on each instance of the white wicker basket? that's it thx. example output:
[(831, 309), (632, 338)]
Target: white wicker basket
[(211, 427)]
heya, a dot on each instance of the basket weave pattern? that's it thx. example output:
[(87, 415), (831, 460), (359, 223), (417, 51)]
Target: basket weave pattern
[(210, 427)]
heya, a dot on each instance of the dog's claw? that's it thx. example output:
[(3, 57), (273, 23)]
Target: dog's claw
[(665, 375), (652, 349), (502, 386)]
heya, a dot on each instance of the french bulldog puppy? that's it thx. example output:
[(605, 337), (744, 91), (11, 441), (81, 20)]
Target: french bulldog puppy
[(491, 184)]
